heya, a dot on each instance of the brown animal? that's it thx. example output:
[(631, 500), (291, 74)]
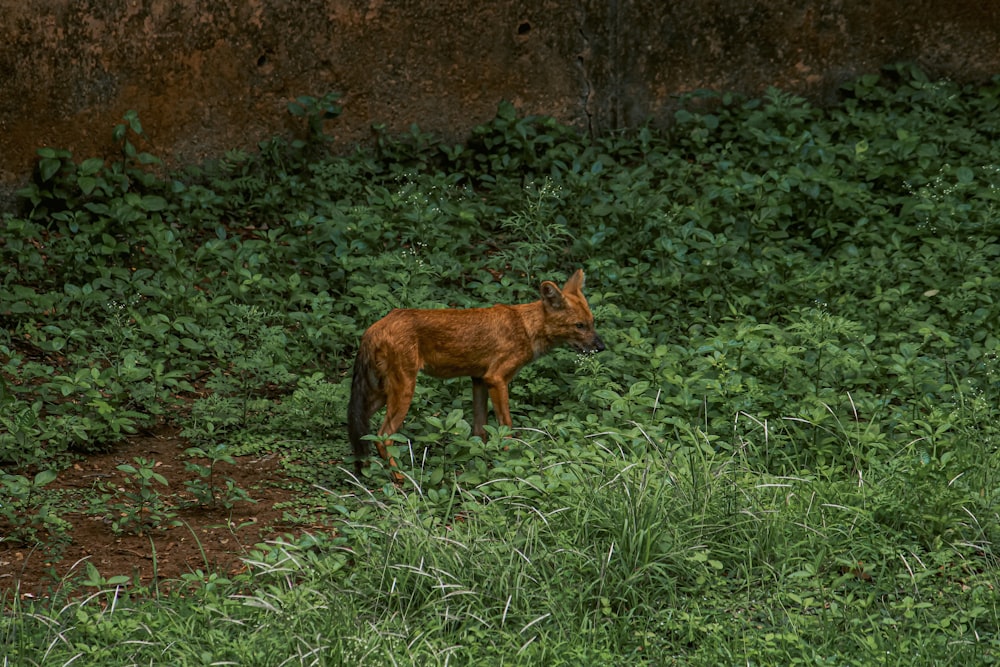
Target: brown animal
[(490, 345)]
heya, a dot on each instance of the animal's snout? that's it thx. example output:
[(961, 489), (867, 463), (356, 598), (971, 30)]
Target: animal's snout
[(596, 345)]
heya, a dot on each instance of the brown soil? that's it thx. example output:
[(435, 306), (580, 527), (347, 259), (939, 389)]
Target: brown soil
[(209, 539)]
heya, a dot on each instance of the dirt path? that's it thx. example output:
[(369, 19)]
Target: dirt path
[(208, 539)]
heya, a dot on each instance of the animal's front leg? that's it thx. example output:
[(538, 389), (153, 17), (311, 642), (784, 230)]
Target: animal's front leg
[(501, 407), (479, 396)]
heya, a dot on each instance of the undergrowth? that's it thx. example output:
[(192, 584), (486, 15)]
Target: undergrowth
[(787, 455)]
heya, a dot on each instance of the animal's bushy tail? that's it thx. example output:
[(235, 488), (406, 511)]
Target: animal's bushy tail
[(358, 410)]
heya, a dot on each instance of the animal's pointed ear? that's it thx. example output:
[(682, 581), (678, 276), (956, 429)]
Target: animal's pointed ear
[(551, 296), (575, 282)]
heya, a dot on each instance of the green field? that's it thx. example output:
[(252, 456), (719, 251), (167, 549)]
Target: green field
[(788, 454)]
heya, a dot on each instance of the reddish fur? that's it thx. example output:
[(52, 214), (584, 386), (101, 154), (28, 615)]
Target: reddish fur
[(490, 345)]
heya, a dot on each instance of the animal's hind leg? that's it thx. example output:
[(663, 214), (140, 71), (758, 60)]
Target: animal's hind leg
[(399, 389), (373, 402)]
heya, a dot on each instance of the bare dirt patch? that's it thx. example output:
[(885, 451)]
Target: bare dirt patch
[(208, 539)]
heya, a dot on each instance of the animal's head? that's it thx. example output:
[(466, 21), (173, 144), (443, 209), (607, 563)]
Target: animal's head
[(568, 319)]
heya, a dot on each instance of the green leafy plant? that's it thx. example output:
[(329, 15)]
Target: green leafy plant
[(538, 234), (206, 487), (316, 111), (137, 506), (252, 353), (20, 444), (30, 513)]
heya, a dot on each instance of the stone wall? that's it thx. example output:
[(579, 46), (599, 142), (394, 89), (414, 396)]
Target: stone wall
[(206, 77)]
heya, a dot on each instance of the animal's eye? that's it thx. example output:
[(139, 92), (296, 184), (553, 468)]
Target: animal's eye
[(581, 325)]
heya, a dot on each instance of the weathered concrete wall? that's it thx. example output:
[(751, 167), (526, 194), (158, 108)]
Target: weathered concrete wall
[(206, 77), (650, 51)]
